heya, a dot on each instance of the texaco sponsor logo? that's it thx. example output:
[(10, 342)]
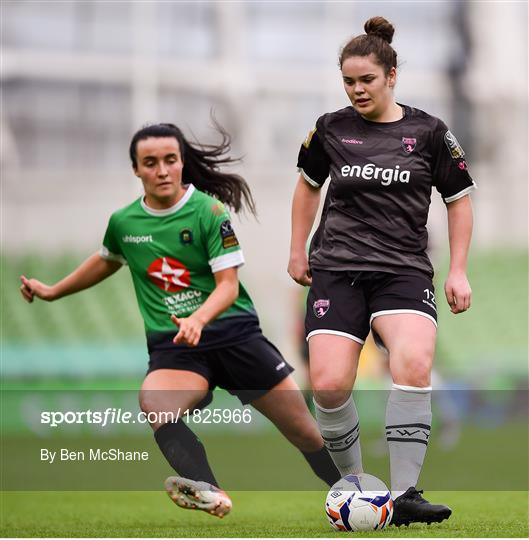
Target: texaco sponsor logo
[(169, 274)]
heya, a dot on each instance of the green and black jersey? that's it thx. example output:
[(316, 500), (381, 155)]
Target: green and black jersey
[(172, 255)]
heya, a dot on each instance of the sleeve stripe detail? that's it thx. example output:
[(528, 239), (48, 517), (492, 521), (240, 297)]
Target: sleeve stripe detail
[(462, 193), (107, 255), (234, 259), (312, 182)]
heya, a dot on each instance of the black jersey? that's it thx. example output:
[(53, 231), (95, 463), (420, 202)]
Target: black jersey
[(375, 213)]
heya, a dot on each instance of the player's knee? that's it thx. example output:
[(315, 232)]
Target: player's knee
[(420, 369), (331, 396), (330, 383), (148, 401), (414, 369)]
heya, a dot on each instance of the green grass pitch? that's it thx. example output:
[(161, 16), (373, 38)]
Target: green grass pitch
[(255, 514)]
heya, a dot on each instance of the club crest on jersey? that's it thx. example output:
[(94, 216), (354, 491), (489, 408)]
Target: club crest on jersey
[(320, 307), (453, 146), (186, 237), (408, 144)]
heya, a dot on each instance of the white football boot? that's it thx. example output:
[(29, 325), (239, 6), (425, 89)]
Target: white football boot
[(195, 495)]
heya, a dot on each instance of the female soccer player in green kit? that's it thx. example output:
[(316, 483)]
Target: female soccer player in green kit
[(183, 255)]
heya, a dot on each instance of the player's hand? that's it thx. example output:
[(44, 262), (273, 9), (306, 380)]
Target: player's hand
[(190, 330), (458, 292), (33, 287), (298, 269)]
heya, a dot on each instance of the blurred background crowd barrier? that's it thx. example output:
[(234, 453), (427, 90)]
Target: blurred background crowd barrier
[(79, 78)]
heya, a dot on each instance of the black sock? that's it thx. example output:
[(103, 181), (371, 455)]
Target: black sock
[(184, 452), (323, 466)]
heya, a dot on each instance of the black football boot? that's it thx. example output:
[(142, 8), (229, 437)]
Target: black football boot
[(411, 507)]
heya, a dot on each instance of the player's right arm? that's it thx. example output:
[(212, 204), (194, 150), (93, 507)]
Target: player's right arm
[(87, 274), (314, 166), (305, 205)]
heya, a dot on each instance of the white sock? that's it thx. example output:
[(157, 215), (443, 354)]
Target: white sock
[(408, 422), (341, 433)]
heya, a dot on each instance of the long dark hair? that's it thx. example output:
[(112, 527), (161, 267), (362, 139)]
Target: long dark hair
[(201, 165)]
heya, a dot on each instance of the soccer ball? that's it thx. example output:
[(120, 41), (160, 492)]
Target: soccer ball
[(359, 502)]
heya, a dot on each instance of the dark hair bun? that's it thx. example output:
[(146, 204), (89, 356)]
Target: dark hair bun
[(380, 27)]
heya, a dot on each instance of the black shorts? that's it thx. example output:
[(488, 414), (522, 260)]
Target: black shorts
[(345, 303), (247, 370)]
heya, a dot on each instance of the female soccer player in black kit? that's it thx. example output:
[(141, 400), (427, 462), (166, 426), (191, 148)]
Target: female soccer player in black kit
[(367, 267)]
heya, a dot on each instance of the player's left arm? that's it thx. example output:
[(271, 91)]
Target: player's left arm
[(224, 294), (457, 288)]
